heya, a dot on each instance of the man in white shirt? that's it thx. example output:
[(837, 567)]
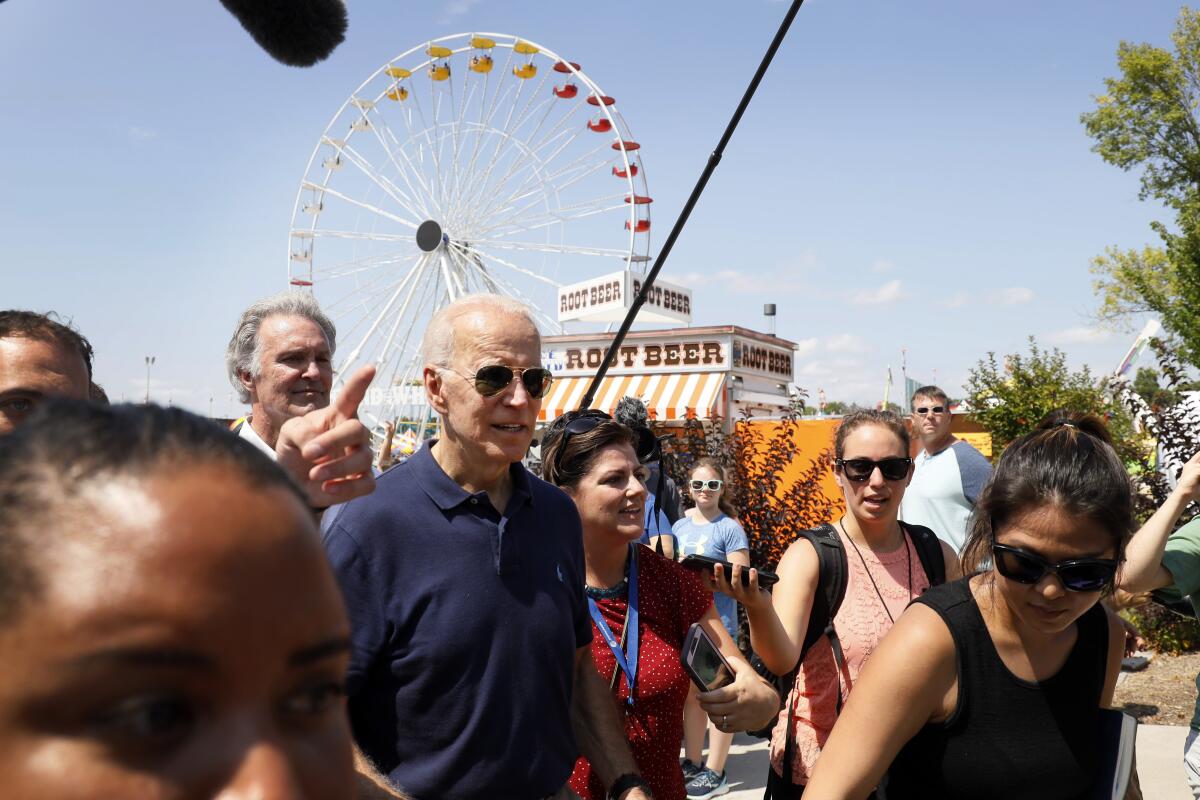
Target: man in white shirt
[(949, 474), (280, 361)]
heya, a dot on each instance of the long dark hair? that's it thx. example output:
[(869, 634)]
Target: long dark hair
[(1067, 462), (67, 444)]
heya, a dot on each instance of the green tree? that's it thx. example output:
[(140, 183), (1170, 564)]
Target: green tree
[(1145, 383), (1011, 397), (1147, 120)]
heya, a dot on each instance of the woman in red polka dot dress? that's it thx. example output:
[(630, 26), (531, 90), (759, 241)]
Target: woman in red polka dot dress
[(595, 463)]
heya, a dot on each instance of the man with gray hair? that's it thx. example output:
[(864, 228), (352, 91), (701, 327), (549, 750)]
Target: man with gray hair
[(471, 673), (280, 361)]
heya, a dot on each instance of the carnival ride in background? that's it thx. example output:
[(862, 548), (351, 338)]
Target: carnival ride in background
[(470, 163)]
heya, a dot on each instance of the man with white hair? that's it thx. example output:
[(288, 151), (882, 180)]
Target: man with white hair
[(280, 361), (470, 671)]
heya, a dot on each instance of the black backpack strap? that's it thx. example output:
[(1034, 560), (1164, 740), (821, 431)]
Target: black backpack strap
[(832, 571), (929, 550), (832, 575)]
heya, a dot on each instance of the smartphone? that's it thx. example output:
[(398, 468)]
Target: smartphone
[(703, 662), (705, 564)]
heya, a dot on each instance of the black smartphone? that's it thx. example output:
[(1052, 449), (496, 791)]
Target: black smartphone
[(705, 564), (703, 662)]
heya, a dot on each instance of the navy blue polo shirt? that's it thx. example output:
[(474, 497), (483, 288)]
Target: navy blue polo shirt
[(464, 627)]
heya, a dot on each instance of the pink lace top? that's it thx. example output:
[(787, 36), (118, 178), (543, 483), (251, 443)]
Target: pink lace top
[(860, 622)]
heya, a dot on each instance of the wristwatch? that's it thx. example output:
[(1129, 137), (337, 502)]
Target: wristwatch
[(623, 784)]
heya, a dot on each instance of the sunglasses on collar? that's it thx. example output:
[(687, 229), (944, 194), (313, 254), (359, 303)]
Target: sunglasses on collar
[(493, 379), (1075, 574)]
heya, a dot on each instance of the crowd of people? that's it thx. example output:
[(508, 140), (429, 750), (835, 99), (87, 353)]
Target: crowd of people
[(191, 611)]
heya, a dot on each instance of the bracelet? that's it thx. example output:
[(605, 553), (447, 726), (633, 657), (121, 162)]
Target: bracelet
[(630, 780)]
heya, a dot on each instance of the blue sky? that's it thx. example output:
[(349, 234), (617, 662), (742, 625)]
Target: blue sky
[(909, 174)]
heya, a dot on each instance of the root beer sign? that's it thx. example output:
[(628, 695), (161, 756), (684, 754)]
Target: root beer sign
[(648, 357), (608, 297), (752, 356)]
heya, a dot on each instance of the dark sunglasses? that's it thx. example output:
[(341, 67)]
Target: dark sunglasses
[(861, 469), (923, 411), (589, 419), (495, 378), (712, 485), (1076, 574)]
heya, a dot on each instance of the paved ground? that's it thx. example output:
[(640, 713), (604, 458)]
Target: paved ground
[(1159, 759)]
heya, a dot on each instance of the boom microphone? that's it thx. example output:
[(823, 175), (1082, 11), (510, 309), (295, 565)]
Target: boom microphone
[(298, 33)]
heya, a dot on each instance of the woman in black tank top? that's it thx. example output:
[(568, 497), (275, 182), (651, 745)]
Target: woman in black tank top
[(990, 687)]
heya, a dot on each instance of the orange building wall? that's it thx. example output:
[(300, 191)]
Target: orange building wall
[(814, 435), (811, 436)]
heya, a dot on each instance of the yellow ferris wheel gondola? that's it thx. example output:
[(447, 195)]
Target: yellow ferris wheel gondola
[(526, 49), (482, 43), (481, 64), (397, 93), (437, 51), (439, 72), (525, 71), (398, 72)]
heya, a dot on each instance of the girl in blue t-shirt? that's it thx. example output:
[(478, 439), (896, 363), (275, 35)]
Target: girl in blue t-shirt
[(709, 529)]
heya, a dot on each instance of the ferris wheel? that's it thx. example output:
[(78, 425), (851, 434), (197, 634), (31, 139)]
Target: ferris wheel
[(470, 163)]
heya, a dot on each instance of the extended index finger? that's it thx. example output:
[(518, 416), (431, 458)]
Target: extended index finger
[(354, 390)]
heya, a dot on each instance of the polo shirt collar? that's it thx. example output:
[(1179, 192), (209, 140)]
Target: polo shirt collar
[(445, 492), (248, 433)]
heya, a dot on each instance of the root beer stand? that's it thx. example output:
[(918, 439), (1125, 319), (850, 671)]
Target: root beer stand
[(679, 373)]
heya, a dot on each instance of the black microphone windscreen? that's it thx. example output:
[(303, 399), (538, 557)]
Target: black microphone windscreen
[(298, 33)]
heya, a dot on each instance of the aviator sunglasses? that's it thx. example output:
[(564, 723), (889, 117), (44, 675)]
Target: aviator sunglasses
[(1075, 574), (860, 469), (712, 485), (495, 378)]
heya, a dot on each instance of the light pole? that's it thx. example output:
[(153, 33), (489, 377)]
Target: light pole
[(149, 361)]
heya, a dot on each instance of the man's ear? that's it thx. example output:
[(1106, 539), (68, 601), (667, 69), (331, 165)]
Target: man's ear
[(246, 381), (435, 388)]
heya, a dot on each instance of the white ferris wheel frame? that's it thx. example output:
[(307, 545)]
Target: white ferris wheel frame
[(458, 259)]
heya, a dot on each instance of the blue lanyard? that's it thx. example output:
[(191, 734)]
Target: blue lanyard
[(628, 664)]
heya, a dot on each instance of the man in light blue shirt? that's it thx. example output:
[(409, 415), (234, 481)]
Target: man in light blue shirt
[(949, 474)]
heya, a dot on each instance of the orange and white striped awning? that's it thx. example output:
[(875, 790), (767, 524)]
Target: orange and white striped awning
[(667, 396)]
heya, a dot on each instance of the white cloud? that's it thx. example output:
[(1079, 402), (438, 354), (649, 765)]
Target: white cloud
[(957, 300), (456, 8), (806, 347), (1012, 296), (889, 292), (738, 282), (847, 343), (1079, 335), (137, 134), (882, 265)]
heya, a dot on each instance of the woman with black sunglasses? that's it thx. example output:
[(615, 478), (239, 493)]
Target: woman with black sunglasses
[(642, 605), (883, 571), (991, 686)]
